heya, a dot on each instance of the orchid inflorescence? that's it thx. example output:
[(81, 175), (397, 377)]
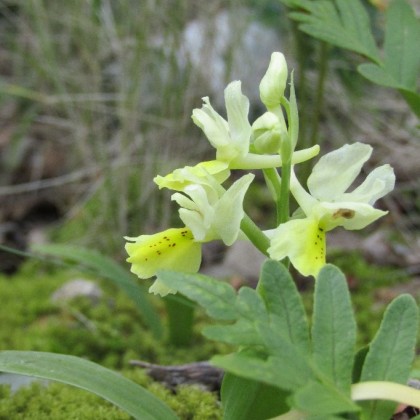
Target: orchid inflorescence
[(211, 211)]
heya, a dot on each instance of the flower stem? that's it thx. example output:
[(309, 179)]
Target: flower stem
[(273, 181), (255, 234), (283, 203)]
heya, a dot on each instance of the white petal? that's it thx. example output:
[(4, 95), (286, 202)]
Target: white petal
[(214, 126), (349, 215), (303, 198), (335, 171), (377, 184), (229, 210), (237, 107)]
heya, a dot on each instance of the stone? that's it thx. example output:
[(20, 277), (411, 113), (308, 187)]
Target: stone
[(76, 288)]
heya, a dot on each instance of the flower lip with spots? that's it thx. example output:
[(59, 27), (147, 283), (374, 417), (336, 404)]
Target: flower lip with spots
[(328, 205)]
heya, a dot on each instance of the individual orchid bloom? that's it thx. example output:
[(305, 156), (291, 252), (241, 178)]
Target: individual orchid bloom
[(231, 138), (208, 211), (173, 249), (213, 215), (328, 205)]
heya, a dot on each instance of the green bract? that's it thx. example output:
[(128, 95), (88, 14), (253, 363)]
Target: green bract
[(329, 205)]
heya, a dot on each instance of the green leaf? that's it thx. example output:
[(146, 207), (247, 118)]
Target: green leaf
[(413, 100), (342, 23), (401, 46), (334, 327), (401, 62), (391, 352), (215, 296), (83, 374), (359, 360), (322, 400), (284, 303), (288, 370), (107, 268), (244, 399)]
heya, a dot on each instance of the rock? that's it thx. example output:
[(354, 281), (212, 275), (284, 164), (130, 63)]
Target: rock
[(242, 264), (76, 288), (230, 45)]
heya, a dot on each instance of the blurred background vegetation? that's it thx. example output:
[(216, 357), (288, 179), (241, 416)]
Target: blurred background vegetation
[(96, 98)]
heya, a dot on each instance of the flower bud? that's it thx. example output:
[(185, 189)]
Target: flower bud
[(273, 83)]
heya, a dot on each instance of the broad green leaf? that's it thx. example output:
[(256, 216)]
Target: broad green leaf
[(244, 399), (401, 64), (401, 46), (378, 74), (94, 378), (241, 333), (359, 360), (334, 327), (288, 370), (251, 312), (215, 296), (283, 302), (108, 269), (391, 352), (413, 100), (321, 400), (342, 23)]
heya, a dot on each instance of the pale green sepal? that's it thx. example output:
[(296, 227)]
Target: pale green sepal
[(237, 108), (377, 184), (214, 126), (229, 210), (273, 83), (351, 216), (197, 211), (204, 173), (333, 174), (212, 218)]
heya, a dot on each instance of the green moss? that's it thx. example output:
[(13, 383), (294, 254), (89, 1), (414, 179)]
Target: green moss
[(62, 402), (55, 401)]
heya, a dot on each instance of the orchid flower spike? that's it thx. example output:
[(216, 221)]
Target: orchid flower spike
[(232, 137), (328, 205)]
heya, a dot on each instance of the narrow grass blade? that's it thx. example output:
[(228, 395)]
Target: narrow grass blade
[(83, 374), (110, 270), (334, 327)]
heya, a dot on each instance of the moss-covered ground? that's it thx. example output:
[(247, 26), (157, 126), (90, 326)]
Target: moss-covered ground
[(111, 333)]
